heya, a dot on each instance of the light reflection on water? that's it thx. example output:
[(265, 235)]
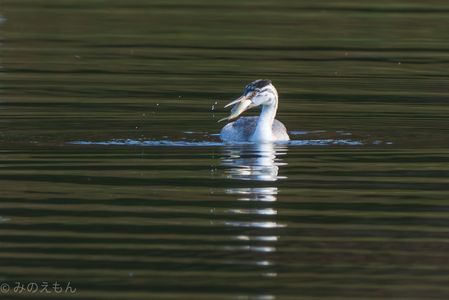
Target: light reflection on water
[(209, 143), (256, 163)]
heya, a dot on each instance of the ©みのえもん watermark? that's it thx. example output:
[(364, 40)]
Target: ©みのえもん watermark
[(43, 287)]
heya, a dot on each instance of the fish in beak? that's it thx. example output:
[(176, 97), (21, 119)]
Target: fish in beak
[(241, 104)]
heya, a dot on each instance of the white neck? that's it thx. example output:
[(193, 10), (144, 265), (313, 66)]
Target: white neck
[(264, 127)]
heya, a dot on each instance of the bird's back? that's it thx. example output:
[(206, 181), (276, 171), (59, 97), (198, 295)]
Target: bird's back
[(242, 129)]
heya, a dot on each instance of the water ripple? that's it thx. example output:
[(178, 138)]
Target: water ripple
[(183, 143)]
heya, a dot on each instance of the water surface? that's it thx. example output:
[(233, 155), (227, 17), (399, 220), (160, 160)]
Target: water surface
[(112, 175)]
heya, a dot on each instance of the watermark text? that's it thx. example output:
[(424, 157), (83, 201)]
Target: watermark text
[(43, 287)]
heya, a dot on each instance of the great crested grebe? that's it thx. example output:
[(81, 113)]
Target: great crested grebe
[(264, 128)]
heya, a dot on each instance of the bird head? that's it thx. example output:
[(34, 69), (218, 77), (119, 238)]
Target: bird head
[(257, 93)]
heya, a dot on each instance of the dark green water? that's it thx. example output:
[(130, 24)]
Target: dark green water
[(111, 176)]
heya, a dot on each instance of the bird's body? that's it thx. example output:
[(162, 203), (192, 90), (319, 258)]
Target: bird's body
[(243, 129), (264, 128)]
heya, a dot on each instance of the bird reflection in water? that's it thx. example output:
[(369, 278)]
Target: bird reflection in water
[(255, 162), (257, 168)]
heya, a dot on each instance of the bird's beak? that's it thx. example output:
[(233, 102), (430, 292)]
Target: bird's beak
[(241, 104)]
